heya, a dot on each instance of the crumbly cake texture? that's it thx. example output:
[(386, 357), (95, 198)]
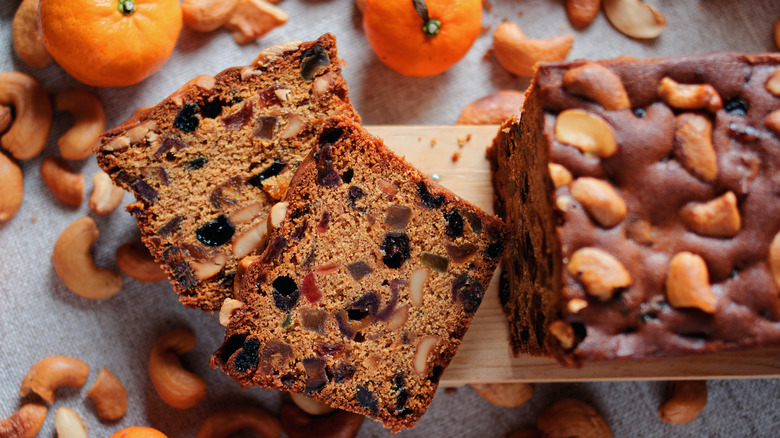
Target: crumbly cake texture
[(642, 201), (367, 286), (207, 163)]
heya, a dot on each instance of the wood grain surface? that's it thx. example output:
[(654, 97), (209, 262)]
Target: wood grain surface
[(485, 355)]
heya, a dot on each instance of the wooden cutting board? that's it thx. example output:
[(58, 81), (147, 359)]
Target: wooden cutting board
[(457, 155)]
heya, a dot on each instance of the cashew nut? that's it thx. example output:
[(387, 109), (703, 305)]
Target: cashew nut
[(693, 145), (89, 121), (229, 306), (688, 283), (49, 373), (6, 118), (774, 258), (106, 197), (12, 182), (689, 96), (716, 218), (600, 272), (634, 18), (252, 19), (65, 185), (109, 396), (134, 260), (310, 405), (24, 423), (298, 424), (586, 132), (176, 386), (773, 121), (569, 417), (600, 199), (30, 130), (75, 267), (224, 422), (599, 84), (508, 395), (518, 54), (277, 214), (206, 15), (69, 424), (559, 174), (684, 402), (26, 33), (493, 108), (582, 12), (563, 332)]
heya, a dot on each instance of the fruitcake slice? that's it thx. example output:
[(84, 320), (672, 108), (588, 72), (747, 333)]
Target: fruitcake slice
[(366, 287), (207, 163)]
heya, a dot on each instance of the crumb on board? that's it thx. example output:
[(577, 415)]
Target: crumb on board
[(433, 141), (455, 156), (462, 140)]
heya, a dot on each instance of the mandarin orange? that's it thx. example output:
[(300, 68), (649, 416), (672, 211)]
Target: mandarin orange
[(421, 37), (139, 432), (110, 43)]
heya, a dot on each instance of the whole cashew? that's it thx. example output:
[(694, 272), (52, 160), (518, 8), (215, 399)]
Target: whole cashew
[(310, 405), (518, 54), (65, 185), (569, 417), (49, 373), (89, 121), (109, 396), (206, 15), (493, 108), (508, 395), (134, 260), (75, 267), (12, 182), (24, 423), (6, 118), (222, 423), (582, 12), (298, 424), (26, 33), (251, 19), (106, 197), (685, 401), (175, 385), (69, 424), (30, 130), (634, 18)]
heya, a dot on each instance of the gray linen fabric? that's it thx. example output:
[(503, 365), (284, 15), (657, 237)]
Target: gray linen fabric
[(40, 317)]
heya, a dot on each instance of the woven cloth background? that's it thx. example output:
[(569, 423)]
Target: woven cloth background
[(40, 317)]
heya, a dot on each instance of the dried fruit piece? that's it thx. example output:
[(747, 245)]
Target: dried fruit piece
[(359, 269), (309, 288), (396, 249), (397, 217), (434, 261), (215, 233), (314, 62)]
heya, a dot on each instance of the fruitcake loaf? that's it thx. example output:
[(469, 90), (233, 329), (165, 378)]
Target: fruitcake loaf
[(642, 198), (207, 163), (367, 286)]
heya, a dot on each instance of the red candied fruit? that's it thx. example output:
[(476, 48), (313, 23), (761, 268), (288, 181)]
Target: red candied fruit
[(309, 288)]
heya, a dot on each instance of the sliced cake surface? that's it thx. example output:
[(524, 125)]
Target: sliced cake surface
[(207, 163), (367, 286), (643, 201)]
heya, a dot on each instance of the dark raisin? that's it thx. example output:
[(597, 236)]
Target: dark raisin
[(387, 311), (503, 289), (170, 226), (274, 249), (330, 350), (396, 249), (367, 399), (186, 120), (316, 378), (474, 221), (269, 97), (265, 126), (469, 291), (454, 223), (168, 144), (238, 119), (247, 358), (494, 249), (274, 169), (215, 233), (365, 306), (347, 176), (274, 351), (436, 373), (359, 269), (328, 177), (429, 200), (212, 109), (353, 194), (345, 327), (299, 230), (314, 62), (230, 346), (343, 372), (736, 106), (329, 136), (196, 163), (285, 293), (174, 258), (324, 223)]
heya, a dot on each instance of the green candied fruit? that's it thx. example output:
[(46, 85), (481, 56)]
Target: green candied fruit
[(434, 261), (287, 323)]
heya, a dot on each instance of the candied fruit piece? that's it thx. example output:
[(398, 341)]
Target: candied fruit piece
[(434, 261), (328, 177), (454, 223), (275, 353), (171, 226), (461, 253), (316, 378), (397, 217), (309, 288), (274, 249), (269, 97), (215, 233), (469, 291), (322, 226), (396, 249), (138, 185), (314, 62), (300, 229), (220, 196), (169, 143), (365, 306), (173, 256), (314, 320), (330, 350), (265, 126), (367, 399), (343, 372), (359, 269), (186, 119), (238, 119), (246, 358), (474, 221), (427, 198), (285, 293), (387, 311)]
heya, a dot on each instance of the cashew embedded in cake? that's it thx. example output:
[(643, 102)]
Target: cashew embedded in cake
[(587, 132), (598, 83), (693, 145), (688, 283), (689, 96), (600, 272), (716, 218), (600, 199)]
